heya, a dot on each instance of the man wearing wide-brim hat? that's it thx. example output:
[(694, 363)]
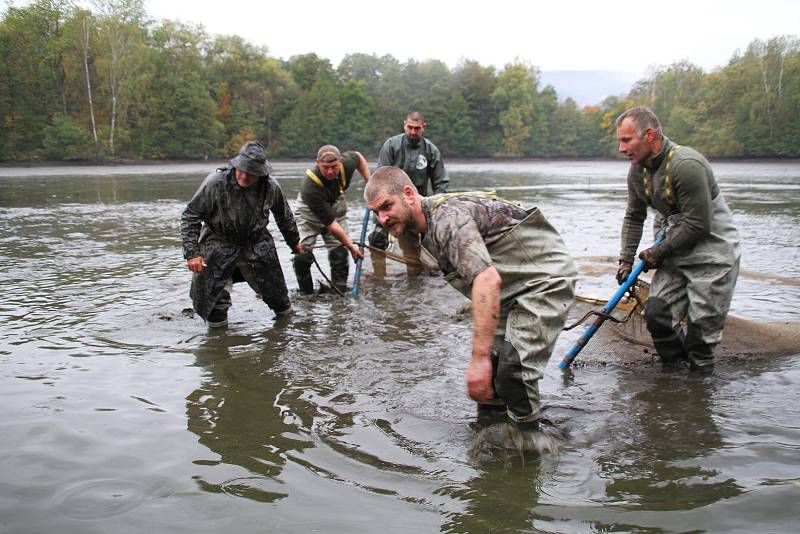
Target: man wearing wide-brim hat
[(226, 239)]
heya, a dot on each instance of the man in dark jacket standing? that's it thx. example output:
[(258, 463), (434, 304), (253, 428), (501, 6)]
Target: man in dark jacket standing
[(322, 210), (422, 162), (226, 240)]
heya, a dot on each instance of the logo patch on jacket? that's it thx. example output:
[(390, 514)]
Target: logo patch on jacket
[(422, 162)]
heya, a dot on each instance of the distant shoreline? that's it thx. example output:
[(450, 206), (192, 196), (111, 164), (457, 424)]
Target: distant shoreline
[(370, 158), (294, 168)]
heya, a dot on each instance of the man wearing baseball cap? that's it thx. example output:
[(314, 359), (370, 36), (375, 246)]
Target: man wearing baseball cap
[(226, 239), (322, 210)]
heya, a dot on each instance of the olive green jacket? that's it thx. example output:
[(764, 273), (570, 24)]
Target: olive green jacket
[(680, 187)]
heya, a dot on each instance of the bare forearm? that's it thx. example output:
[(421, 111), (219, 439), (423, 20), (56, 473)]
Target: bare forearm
[(485, 314), (363, 167), (339, 233), (485, 311)]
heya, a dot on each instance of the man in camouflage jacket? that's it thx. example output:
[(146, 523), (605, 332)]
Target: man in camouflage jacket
[(510, 262)]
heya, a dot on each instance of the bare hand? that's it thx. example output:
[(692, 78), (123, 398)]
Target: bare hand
[(298, 248), (196, 264), (479, 379), (357, 254)]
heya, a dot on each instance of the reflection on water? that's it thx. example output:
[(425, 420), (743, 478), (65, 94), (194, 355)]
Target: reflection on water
[(124, 413), (672, 429)]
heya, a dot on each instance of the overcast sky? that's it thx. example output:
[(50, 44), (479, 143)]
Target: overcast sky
[(551, 34)]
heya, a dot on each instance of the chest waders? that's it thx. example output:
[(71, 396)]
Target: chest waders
[(538, 284), (310, 227), (694, 285)]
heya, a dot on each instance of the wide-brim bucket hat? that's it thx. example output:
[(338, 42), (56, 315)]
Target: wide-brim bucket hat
[(252, 159)]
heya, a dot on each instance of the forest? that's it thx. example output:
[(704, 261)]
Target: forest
[(110, 83)]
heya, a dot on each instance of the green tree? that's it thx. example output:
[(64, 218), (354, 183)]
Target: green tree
[(314, 120), (592, 139), (178, 118), (251, 89), (545, 106), (476, 84), (306, 68), (673, 93), (65, 139), (121, 31), (356, 123), (385, 81), (393, 98), (564, 129), (429, 87), (80, 33), (515, 98), (458, 137), (32, 71), (767, 115)]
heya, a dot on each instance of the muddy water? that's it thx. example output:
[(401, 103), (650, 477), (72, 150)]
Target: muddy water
[(123, 413)]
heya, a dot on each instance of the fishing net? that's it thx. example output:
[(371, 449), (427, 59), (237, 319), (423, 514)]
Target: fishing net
[(628, 340), (624, 338)]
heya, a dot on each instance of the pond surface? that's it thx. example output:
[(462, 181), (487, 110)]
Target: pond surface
[(123, 413)]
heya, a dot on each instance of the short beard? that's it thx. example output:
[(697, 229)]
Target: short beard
[(407, 219), (413, 142)]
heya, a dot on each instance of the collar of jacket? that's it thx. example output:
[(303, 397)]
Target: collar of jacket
[(659, 158)]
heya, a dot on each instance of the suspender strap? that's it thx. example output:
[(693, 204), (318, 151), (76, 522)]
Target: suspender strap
[(490, 195), (317, 180), (668, 196)]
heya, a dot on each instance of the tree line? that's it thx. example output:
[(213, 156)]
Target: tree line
[(111, 83)]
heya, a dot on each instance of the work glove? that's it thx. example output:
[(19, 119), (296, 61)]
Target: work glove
[(654, 256), (625, 268)]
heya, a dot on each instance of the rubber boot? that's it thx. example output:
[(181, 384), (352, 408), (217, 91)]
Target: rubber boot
[(526, 426), (340, 267), (510, 386), (668, 339), (700, 358), (218, 317), (302, 270), (379, 238)]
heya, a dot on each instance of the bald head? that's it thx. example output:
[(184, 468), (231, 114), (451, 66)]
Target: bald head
[(386, 180)]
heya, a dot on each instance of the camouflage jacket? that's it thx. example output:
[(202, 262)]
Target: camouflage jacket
[(461, 227)]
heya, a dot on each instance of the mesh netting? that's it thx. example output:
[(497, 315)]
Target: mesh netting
[(630, 342)]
